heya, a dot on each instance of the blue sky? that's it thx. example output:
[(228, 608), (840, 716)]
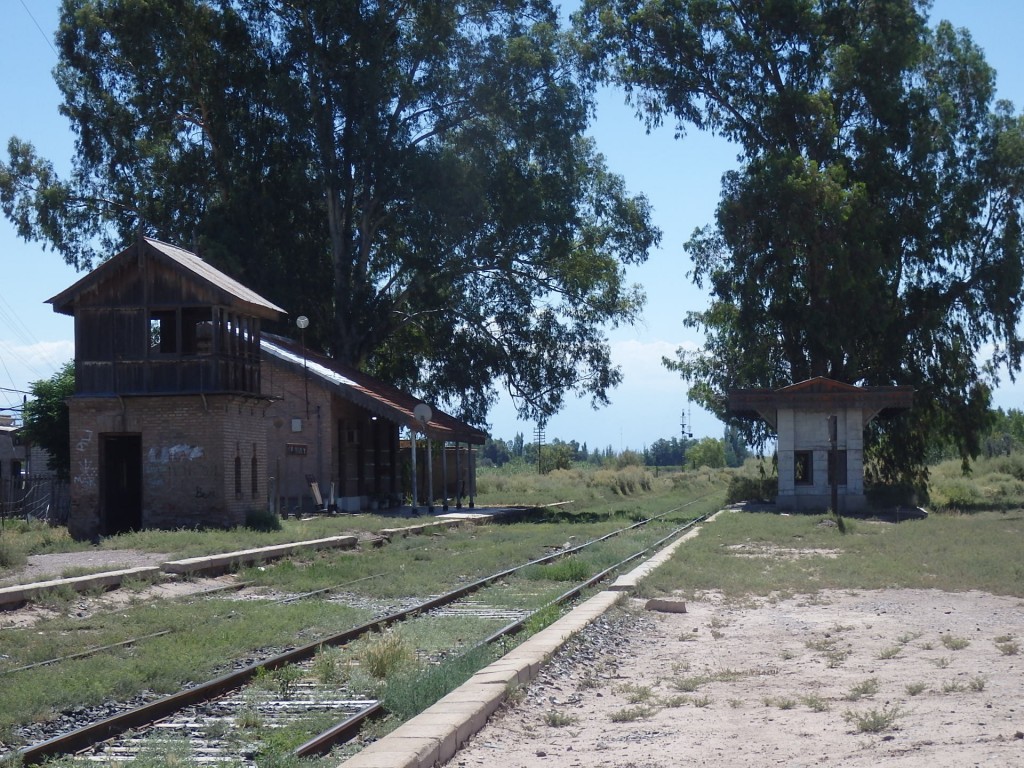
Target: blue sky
[(681, 178)]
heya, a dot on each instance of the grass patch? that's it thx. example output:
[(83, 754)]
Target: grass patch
[(874, 720), (205, 636), (385, 654), (555, 719), (566, 569), (631, 714), (889, 653), (815, 703), (864, 688), (1008, 647), (10, 555), (916, 554), (411, 691), (916, 689), (953, 643), (635, 694)]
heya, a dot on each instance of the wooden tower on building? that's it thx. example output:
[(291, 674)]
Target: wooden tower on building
[(167, 418)]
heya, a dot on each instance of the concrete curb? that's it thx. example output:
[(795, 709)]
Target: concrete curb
[(433, 737), (229, 560), (22, 593)]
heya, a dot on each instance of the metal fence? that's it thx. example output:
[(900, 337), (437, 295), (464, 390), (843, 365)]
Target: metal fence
[(36, 497)]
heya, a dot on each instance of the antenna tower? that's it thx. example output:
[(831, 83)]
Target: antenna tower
[(539, 435)]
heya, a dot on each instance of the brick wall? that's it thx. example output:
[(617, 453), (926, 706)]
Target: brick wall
[(190, 446)]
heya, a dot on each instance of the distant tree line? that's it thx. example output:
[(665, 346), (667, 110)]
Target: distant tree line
[(728, 451)]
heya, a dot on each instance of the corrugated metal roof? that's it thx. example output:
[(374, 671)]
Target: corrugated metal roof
[(179, 259), (370, 393)]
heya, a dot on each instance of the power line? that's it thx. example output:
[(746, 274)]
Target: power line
[(41, 32)]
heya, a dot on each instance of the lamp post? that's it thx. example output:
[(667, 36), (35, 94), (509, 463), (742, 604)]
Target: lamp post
[(303, 322)]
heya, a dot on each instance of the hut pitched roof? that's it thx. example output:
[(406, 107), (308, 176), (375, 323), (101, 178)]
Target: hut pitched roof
[(231, 292)]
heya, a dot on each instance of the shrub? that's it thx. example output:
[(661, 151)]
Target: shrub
[(11, 556), (889, 495), (875, 720), (747, 488), (955, 494), (386, 654), (262, 520)]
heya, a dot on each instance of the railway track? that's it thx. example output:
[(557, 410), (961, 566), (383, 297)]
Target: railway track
[(201, 717)]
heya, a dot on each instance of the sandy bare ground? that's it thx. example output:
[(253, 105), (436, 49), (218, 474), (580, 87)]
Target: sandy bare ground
[(794, 682)]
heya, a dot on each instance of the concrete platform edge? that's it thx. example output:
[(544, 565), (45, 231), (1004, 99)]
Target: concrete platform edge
[(466, 709)]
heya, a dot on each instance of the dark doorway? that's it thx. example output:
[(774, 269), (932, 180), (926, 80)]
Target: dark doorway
[(121, 483)]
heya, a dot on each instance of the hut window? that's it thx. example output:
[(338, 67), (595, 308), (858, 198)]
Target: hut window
[(238, 477), (254, 482), (163, 332), (196, 331), (803, 468)]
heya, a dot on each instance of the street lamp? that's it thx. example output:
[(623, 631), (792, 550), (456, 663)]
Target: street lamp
[(303, 322)]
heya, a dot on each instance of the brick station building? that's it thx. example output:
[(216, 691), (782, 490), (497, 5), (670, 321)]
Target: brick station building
[(172, 411)]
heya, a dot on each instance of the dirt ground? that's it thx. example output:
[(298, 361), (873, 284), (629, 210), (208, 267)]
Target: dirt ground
[(53, 566), (869, 678)]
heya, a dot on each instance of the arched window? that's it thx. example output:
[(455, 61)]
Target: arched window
[(254, 474)]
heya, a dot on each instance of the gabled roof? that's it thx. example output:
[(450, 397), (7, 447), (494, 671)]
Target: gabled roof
[(821, 385), (367, 392), (818, 393), (178, 260)]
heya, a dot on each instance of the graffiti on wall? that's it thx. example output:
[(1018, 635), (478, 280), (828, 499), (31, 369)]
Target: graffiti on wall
[(87, 473), (181, 465), (175, 453)]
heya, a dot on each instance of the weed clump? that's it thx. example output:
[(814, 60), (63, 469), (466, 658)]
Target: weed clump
[(875, 720), (262, 520), (386, 654), (10, 556)]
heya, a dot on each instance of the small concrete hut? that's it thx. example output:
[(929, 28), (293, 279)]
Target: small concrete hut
[(815, 420)]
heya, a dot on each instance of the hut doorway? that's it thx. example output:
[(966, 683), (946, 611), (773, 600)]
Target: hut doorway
[(121, 483)]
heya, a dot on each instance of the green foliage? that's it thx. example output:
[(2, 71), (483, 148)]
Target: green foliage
[(709, 452), (259, 519), (750, 488), (571, 569), (10, 555), (954, 643), (410, 692), (860, 238), (632, 714), (417, 179), (47, 420), (864, 688), (554, 718), (875, 720)]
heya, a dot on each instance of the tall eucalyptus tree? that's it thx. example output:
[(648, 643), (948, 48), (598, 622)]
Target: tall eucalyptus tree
[(413, 175)]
